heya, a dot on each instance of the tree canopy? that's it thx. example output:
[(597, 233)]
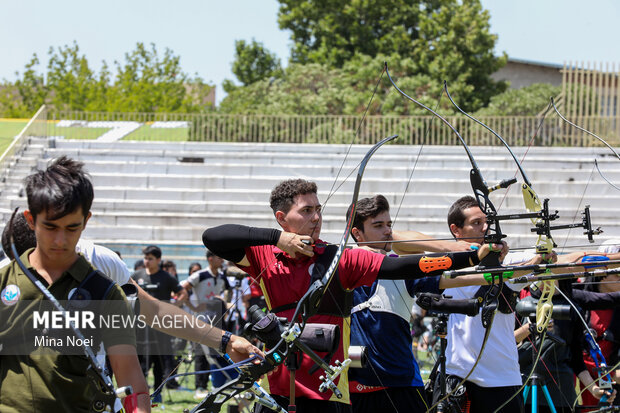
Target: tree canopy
[(316, 89), (337, 54), (253, 62), (144, 82), (430, 40), (527, 101)]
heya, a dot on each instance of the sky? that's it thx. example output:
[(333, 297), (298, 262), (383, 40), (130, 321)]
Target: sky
[(203, 32)]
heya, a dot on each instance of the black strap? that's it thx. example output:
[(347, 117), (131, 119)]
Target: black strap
[(91, 293), (95, 286), (506, 304), (336, 301)]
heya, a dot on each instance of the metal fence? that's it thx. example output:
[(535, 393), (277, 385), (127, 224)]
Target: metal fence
[(428, 130)]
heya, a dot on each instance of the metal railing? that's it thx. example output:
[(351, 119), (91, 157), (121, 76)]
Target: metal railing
[(413, 130)]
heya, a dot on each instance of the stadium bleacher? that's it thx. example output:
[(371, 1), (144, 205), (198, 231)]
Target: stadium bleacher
[(167, 193)]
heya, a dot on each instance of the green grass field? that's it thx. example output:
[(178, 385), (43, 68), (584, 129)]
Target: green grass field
[(9, 128), (146, 133), (77, 132)]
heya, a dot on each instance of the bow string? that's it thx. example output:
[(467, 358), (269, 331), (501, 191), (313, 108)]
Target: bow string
[(306, 307), (493, 233)]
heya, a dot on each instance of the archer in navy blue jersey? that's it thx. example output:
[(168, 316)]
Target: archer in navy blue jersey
[(391, 382)]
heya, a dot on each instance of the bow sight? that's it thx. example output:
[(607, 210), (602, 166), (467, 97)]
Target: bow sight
[(542, 219)]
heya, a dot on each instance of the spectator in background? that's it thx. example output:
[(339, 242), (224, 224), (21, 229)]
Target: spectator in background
[(171, 268), (156, 347), (193, 267), (138, 265), (238, 295), (207, 286), (200, 361)]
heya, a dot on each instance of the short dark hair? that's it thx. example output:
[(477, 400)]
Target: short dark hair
[(193, 265), (168, 264), (368, 208), (23, 236), (153, 250), (209, 254), (62, 188), (138, 264), (283, 195), (456, 215)]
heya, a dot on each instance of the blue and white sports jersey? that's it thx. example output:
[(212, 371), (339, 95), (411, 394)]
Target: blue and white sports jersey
[(386, 333)]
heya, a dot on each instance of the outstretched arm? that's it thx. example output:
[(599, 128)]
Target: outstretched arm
[(229, 241), (422, 265), (194, 329), (414, 242), (126, 368)]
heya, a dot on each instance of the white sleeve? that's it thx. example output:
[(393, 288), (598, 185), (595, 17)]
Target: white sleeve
[(611, 246), (109, 263), (245, 286), (194, 278), (519, 257)]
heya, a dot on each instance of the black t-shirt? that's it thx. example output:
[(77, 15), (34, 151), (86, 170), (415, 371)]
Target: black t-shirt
[(165, 283)]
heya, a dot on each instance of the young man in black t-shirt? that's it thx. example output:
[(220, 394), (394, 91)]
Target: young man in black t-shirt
[(155, 347)]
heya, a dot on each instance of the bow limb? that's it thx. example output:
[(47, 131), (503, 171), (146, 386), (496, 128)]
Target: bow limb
[(604, 177), (545, 243), (494, 235), (309, 304), (479, 185), (539, 217), (514, 157), (552, 103), (306, 308)]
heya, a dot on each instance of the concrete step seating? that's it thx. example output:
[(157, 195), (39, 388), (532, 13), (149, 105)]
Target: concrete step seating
[(169, 192)]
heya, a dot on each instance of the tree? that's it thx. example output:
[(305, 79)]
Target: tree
[(253, 62), (24, 97), (73, 82), (527, 101), (145, 82), (315, 89), (447, 39), (309, 89), (331, 32), (455, 45)]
